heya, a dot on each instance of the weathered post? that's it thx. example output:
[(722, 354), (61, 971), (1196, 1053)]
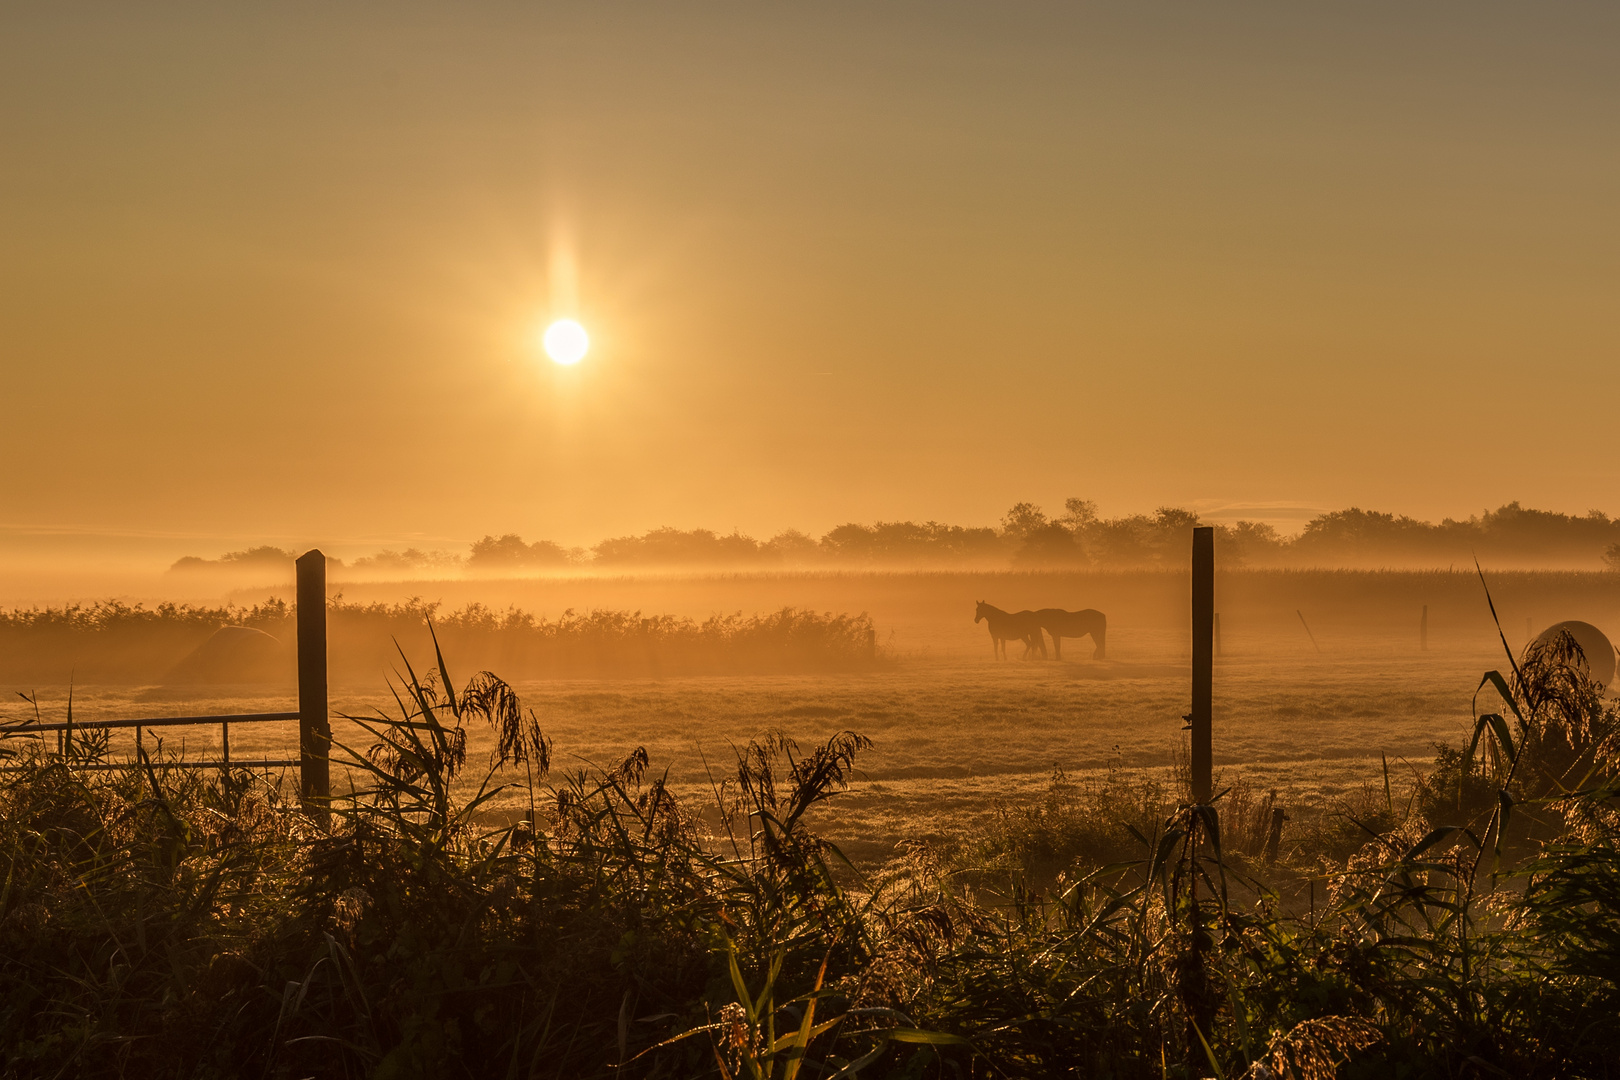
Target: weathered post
[(1198, 995), (1203, 664), (1274, 836), (1423, 630), (314, 725)]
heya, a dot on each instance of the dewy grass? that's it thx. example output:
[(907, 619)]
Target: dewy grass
[(159, 921)]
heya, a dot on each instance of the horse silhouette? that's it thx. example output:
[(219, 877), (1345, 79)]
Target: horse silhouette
[(1008, 626), (1061, 624)]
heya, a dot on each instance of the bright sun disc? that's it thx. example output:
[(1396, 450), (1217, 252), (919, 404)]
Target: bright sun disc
[(566, 341)]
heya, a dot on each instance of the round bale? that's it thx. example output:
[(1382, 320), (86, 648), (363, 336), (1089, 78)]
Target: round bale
[(235, 654), (1593, 642)]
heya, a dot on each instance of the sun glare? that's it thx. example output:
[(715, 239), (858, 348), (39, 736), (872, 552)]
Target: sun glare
[(566, 342)]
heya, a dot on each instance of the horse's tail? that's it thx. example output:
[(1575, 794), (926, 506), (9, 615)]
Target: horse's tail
[(1100, 636)]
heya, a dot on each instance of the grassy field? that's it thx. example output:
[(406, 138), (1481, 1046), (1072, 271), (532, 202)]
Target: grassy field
[(952, 737), (1313, 714), (1029, 895), (605, 922)]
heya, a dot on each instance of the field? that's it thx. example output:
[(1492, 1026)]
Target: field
[(1030, 894), (1312, 713)]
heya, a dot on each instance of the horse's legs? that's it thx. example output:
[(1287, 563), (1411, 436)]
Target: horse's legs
[(1057, 647)]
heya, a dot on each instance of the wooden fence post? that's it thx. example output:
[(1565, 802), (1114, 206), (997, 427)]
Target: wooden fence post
[(1203, 663), (1274, 835), (314, 724)]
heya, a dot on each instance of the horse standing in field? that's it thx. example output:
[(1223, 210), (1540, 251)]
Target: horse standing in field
[(1061, 624), (1008, 626)]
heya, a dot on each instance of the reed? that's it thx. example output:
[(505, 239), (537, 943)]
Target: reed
[(114, 642)]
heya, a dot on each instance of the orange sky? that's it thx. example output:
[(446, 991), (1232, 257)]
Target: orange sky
[(274, 272)]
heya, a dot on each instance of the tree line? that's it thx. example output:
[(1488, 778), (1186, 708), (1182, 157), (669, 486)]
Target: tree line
[(1027, 537)]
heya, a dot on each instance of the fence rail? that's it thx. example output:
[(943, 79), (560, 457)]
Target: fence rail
[(232, 763), (314, 723), (153, 721)]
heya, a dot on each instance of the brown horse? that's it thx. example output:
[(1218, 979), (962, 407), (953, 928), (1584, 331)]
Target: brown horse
[(1061, 624), (1008, 626)]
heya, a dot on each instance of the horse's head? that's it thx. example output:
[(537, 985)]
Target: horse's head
[(981, 612)]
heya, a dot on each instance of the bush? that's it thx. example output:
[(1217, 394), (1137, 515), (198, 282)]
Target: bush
[(1073, 827)]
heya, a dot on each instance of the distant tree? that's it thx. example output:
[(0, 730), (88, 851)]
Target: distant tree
[(1078, 513), (408, 561), (1124, 541), (509, 552), (1172, 535), (258, 555), (1247, 543), (1362, 536), (1139, 539), (1080, 536), (1022, 520), (849, 541), (1051, 544), (910, 543), (1514, 532), (1174, 521), (792, 547), (502, 551), (674, 547), (256, 558)]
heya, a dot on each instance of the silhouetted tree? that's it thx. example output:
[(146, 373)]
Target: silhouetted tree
[(1078, 514), (1051, 544), (674, 547), (509, 552), (1023, 519)]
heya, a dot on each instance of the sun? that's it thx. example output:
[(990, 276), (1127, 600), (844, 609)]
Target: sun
[(566, 342)]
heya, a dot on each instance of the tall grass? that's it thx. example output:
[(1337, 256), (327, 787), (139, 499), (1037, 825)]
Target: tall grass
[(157, 921)]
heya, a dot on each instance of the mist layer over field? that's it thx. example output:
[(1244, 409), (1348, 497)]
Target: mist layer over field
[(1320, 672)]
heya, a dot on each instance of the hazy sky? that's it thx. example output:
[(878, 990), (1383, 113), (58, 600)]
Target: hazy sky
[(277, 271)]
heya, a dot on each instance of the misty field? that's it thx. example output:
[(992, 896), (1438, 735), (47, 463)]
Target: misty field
[(950, 739), (1320, 685), (1321, 688), (879, 854)]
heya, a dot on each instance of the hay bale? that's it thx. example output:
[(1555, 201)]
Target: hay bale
[(235, 654), (1593, 642)]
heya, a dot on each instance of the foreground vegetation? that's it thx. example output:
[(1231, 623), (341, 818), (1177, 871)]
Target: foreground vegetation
[(157, 921)]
